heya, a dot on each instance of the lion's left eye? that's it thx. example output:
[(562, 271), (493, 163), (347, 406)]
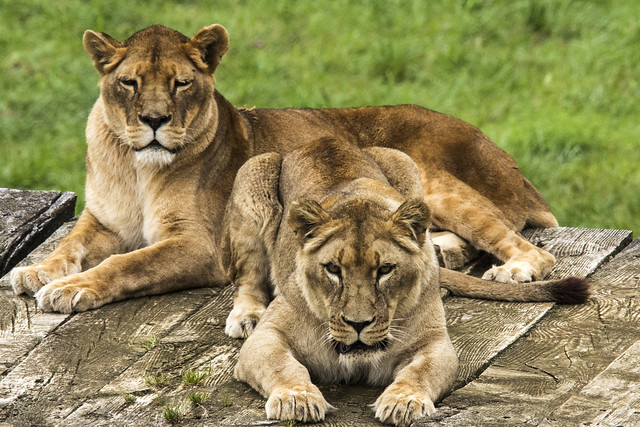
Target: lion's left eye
[(129, 83), (385, 269), (333, 268), (182, 83)]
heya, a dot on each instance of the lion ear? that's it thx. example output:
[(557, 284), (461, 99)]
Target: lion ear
[(105, 51), (305, 216), (209, 44), (412, 218)]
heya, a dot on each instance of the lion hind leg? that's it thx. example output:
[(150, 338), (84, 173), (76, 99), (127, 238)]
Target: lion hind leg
[(455, 252), (251, 221), (461, 209)]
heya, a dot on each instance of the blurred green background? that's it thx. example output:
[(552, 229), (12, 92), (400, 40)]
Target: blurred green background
[(554, 83)]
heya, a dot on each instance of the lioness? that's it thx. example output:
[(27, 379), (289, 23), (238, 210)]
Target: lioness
[(164, 148), (342, 233)]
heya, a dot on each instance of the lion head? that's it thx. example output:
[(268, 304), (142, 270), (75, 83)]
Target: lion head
[(157, 87), (360, 266)]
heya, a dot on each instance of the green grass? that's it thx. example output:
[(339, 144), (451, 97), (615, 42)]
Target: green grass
[(173, 414), (198, 397), (150, 343), (554, 83), (157, 380), (194, 377)]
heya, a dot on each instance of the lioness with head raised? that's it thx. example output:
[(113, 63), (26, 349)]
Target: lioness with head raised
[(342, 234), (164, 148)]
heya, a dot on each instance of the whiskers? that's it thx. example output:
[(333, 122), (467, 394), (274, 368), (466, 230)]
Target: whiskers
[(324, 336), (398, 331)]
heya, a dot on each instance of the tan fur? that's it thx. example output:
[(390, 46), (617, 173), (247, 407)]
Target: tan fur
[(164, 148), (348, 253), (352, 265)]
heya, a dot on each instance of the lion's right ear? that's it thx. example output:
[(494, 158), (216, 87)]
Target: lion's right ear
[(412, 219), (305, 216), (105, 51), (209, 44)]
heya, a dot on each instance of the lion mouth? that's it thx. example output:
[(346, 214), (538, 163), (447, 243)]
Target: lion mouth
[(358, 347), (155, 145)]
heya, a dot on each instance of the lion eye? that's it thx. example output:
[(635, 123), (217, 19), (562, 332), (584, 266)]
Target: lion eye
[(333, 268), (129, 83), (182, 83), (385, 269)]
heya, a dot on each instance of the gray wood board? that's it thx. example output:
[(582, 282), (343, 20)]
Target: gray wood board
[(82, 355), (82, 370), (22, 326), (564, 370), (27, 218), (612, 398), (480, 330)]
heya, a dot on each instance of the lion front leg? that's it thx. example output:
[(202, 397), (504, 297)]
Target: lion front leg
[(170, 265), (251, 221), (416, 387), (267, 364), (88, 243)]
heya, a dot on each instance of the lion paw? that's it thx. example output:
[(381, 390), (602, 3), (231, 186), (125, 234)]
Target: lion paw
[(28, 280), (400, 406), (302, 403), (511, 272), (242, 321), (68, 295)]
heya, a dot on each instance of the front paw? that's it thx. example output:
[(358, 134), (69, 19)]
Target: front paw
[(242, 320), (400, 406), (28, 280), (70, 294), (302, 403)]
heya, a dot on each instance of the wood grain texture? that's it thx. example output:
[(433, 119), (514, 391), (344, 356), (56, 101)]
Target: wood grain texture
[(560, 355), (197, 343), (482, 329), (89, 350), (22, 326), (612, 398), (519, 361), (578, 251), (27, 218)]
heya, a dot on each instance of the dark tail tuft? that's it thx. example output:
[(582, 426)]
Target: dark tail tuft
[(572, 290)]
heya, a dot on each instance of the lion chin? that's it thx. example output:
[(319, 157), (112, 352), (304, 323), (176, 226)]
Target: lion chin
[(154, 154), (358, 348)]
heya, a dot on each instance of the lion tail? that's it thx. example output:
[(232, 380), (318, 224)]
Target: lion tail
[(572, 290)]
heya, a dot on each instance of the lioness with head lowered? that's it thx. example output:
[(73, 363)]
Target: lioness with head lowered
[(342, 234), (164, 148)]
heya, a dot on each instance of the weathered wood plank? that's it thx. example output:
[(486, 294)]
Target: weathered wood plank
[(106, 358), (27, 218), (561, 354), (197, 343), (482, 329), (579, 251), (22, 326), (611, 399), (89, 350)]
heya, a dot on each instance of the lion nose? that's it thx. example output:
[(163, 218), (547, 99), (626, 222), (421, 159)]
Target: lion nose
[(154, 122), (358, 326)]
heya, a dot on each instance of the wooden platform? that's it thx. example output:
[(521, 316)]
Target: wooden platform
[(521, 363)]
